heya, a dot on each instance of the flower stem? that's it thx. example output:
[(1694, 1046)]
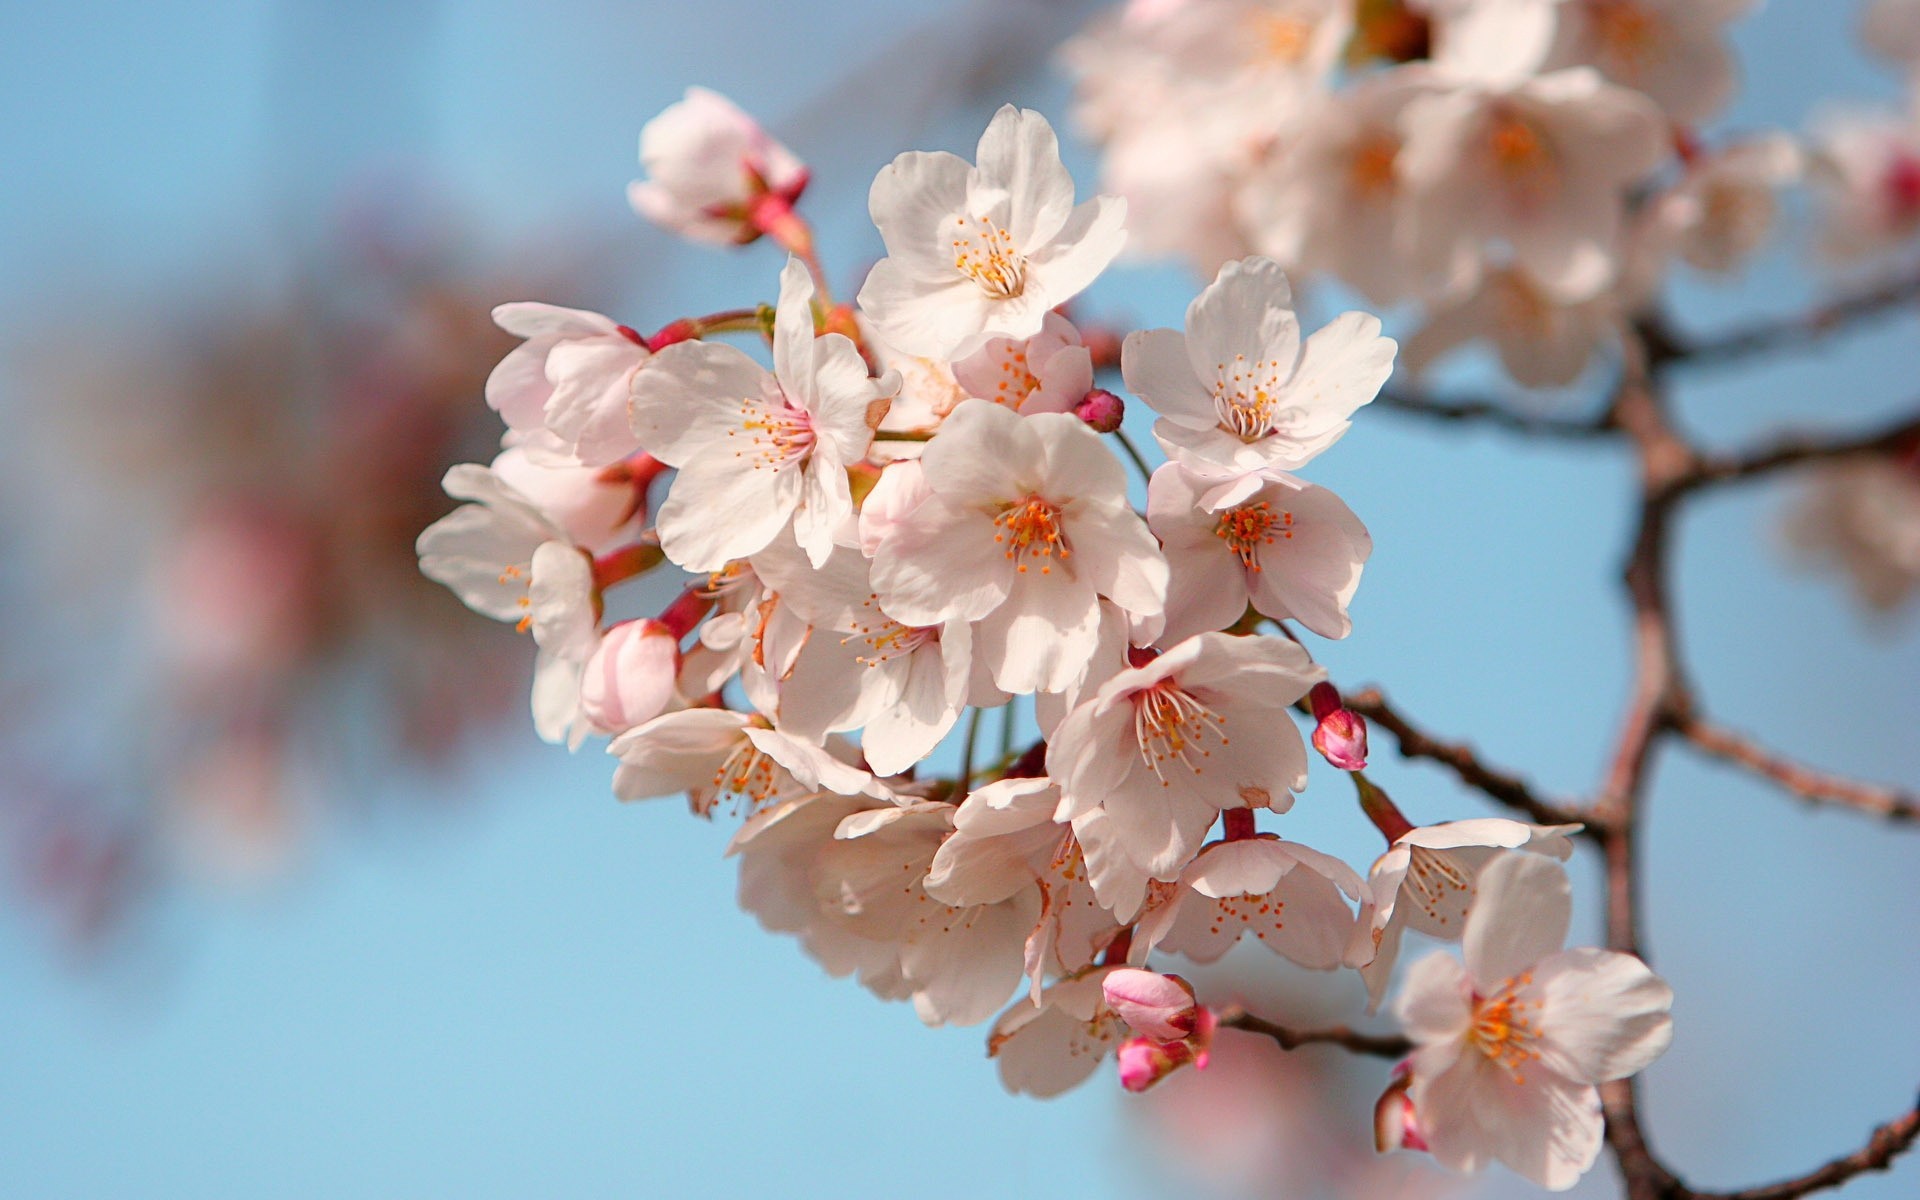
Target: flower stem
[(1133, 452), (965, 781)]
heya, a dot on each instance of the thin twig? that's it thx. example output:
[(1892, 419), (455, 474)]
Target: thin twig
[(1777, 334), (1502, 786), (1795, 450), (1492, 412), (1885, 1144), (1804, 782), (1390, 1045)]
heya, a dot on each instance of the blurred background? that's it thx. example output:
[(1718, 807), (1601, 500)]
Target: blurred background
[(293, 902)]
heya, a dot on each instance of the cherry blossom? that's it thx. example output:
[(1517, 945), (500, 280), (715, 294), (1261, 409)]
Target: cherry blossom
[(1727, 203), (570, 378), (1048, 372), (757, 449), (714, 175), (1286, 894), (1542, 341), (1025, 528), (1865, 169), (1291, 551), (975, 252), (1511, 1046), (1675, 51), (1863, 518), (1163, 748), (1241, 398), (1045, 1049)]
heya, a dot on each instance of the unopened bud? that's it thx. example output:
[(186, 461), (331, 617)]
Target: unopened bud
[(1395, 1125), (630, 678), (1101, 410), (1339, 733), (1155, 1006)]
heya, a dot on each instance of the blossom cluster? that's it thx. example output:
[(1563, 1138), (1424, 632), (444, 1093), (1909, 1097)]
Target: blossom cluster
[(915, 509)]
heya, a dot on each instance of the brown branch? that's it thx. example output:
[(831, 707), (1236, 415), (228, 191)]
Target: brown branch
[(1498, 785), (1378, 1045), (1885, 1144), (1795, 450), (1491, 412), (1797, 330), (1805, 782)]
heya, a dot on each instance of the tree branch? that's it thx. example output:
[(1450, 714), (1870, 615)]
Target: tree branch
[(1795, 450), (1378, 1045), (1800, 329), (1885, 1144), (1492, 412), (1498, 785), (1804, 782)]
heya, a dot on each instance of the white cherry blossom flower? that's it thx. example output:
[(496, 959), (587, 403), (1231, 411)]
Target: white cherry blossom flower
[(758, 449), (1542, 341), (709, 166), (1675, 51), (1048, 372), (1865, 170), (1163, 748), (1726, 204), (1293, 552), (713, 754), (975, 252), (1241, 398), (1045, 1049), (1541, 165), (1026, 527), (595, 511), (1863, 517), (571, 377), (1511, 1046), (1426, 882), (1286, 894)]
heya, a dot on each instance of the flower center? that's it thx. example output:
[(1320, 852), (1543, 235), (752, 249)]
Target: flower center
[(747, 774), (1504, 1026), (1250, 527), (1246, 396), (1282, 38), (1440, 885), (1625, 30), (985, 253), (1019, 382), (1521, 155), (776, 433), (889, 641), (1172, 726), (1031, 529), (521, 574), (1370, 169)]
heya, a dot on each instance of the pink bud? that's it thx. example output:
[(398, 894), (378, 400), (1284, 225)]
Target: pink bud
[(1341, 734), (1394, 1125), (630, 678), (1101, 410), (1145, 1062), (1156, 1006)]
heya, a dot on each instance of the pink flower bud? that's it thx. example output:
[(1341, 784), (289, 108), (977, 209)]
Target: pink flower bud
[(1101, 410), (1156, 1006), (1145, 1062), (1395, 1126), (629, 680), (1341, 734)]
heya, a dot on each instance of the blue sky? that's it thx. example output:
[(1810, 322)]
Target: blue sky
[(545, 992)]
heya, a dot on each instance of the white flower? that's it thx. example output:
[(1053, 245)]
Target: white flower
[(1511, 1046), (571, 377), (508, 560), (1048, 372), (1864, 518), (713, 754), (595, 510), (1426, 881), (981, 251), (1722, 210), (1005, 841), (1047, 1049), (1865, 167), (1026, 527), (1163, 748), (1541, 165), (1542, 342), (709, 165), (1673, 50), (1240, 397), (1293, 552), (757, 449), (1286, 894)]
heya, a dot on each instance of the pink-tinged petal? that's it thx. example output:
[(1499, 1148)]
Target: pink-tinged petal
[(1093, 236), (531, 319), (560, 601), (1156, 368), (556, 700), (1602, 1015), (1019, 156), (964, 975), (1310, 567), (813, 766), (716, 513), (687, 402), (826, 503), (517, 388), (1043, 637), (1118, 881), (675, 752), (1342, 367), (629, 680), (1546, 1128), (1046, 1050), (941, 564), (1245, 313), (793, 333), (1493, 831), (986, 454), (902, 487), (1435, 1004), (1156, 1006), (1519, 916), (848, 403), (911, 198)]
